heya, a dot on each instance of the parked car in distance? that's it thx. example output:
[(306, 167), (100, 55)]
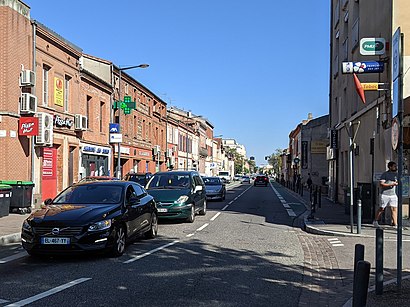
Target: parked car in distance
[(237, 177), (225, 176), (215, 188), (261, 180), (246, 179), (141, 178), (178, 194), (91, 216)]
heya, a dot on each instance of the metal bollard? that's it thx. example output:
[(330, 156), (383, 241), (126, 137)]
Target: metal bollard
[(359, 216), (379, 261), (361, 284), (358, 255)]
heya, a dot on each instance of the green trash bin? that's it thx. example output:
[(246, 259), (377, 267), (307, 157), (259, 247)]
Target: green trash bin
[(5, 196), (21, 194)]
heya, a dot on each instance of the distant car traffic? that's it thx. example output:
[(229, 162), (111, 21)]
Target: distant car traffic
[(178, 194), (237, 177), (261, 180), (215, 188), (91, 216), (141, 178), (246, 179)]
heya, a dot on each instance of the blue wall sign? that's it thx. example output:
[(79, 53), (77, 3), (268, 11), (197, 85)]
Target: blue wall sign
[(362, 67), (114, 128)]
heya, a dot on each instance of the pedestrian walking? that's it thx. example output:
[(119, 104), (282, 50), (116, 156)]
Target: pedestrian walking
[(388, 197), (309, 181)]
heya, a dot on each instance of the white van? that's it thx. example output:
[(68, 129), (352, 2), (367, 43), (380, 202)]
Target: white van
[(225, 176)]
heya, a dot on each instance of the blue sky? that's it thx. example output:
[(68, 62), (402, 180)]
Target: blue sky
[(255, 69)]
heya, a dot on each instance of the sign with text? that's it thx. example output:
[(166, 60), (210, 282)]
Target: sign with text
[(373, 86), (362, 67), (58, 91), (333, 138), (28, 126), (318, 147), (115, 138), (372, 46), (305, 154)]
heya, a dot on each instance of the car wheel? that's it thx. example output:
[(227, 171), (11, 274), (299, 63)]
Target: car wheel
[(153, 231), (191, 217), (119, 242), (203, 211)]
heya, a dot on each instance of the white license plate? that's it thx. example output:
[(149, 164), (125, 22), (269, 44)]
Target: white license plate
[(162, 210), (61, 241)]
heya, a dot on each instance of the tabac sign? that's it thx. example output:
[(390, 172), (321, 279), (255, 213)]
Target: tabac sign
[(372, 46)]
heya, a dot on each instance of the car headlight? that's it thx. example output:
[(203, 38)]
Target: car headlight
[(100, 225), (26, 226), (181, 200)]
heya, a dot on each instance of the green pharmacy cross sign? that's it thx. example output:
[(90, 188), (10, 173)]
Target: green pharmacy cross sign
[(127, 105)]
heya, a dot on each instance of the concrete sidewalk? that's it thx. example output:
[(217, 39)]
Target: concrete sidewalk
[(10, 228)]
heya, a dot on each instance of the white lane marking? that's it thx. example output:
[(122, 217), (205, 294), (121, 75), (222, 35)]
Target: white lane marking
[(333, 239), (202, 227), (13, 257), (341, 244), (291, 212), (190, 235), (286, 206), (335, 242), (48, 293), (3, 301), (230, 203), (215, 216), (223, 209), (151, 252)]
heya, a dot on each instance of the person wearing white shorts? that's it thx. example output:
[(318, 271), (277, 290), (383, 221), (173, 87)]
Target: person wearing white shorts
[(388, 196)]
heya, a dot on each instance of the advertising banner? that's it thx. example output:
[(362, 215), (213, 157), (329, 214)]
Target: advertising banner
[(305, 154), (362, 67), (28, 126), (58, 91)]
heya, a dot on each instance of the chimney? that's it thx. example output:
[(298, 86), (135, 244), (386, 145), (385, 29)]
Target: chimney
[(310, 116)]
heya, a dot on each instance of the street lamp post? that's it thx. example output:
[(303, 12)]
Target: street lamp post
[(119, 170)]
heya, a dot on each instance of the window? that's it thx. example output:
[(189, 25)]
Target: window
[(126, 89), (355, 34), (139, 190), (88, 110), (46, 70), (102, 115), (345, 47), (336, 13), (66, 92)]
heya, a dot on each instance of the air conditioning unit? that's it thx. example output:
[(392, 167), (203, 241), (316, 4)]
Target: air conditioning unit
[(156, 150), (27, 78), (45, 129), (80, 122), (28, 103)]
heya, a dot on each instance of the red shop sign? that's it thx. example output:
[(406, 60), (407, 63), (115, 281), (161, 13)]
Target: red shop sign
[(28, 126)]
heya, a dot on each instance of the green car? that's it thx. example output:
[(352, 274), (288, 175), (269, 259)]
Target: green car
[(178, 194)]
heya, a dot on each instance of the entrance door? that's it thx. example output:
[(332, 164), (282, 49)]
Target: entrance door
[(49, 173)]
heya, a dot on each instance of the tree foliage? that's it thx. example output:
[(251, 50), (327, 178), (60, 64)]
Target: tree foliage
[(275, 160)]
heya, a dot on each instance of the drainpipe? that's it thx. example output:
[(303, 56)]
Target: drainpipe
[(34, 27)]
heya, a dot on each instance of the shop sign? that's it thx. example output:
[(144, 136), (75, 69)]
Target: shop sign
[(144, 153), (49, 163), (95, 150), (58, 92), (63, 122), (372, 46), (115, 138), (362, 67), (28, 126), (333, 139), (318, 147), (305, 154)]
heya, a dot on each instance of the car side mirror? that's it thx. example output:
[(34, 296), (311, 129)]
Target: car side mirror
[(134, 200), (48, 201), (198, 188)]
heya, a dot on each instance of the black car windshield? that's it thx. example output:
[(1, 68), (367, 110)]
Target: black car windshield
[(169, 181), (90, 194), (212, 181)]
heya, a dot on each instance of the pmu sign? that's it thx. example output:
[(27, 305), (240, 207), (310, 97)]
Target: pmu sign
[(372, 46), (362, 67)]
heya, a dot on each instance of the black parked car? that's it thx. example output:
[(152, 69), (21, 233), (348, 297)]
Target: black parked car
[(214, 187), (261, 180), (141, 178), (91, 216)]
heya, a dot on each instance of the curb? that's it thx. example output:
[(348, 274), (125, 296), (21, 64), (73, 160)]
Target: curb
[(317, 231), (11, 238)]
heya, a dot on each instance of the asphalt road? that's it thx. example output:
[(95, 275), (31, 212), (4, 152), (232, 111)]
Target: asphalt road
[(246, 251)]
